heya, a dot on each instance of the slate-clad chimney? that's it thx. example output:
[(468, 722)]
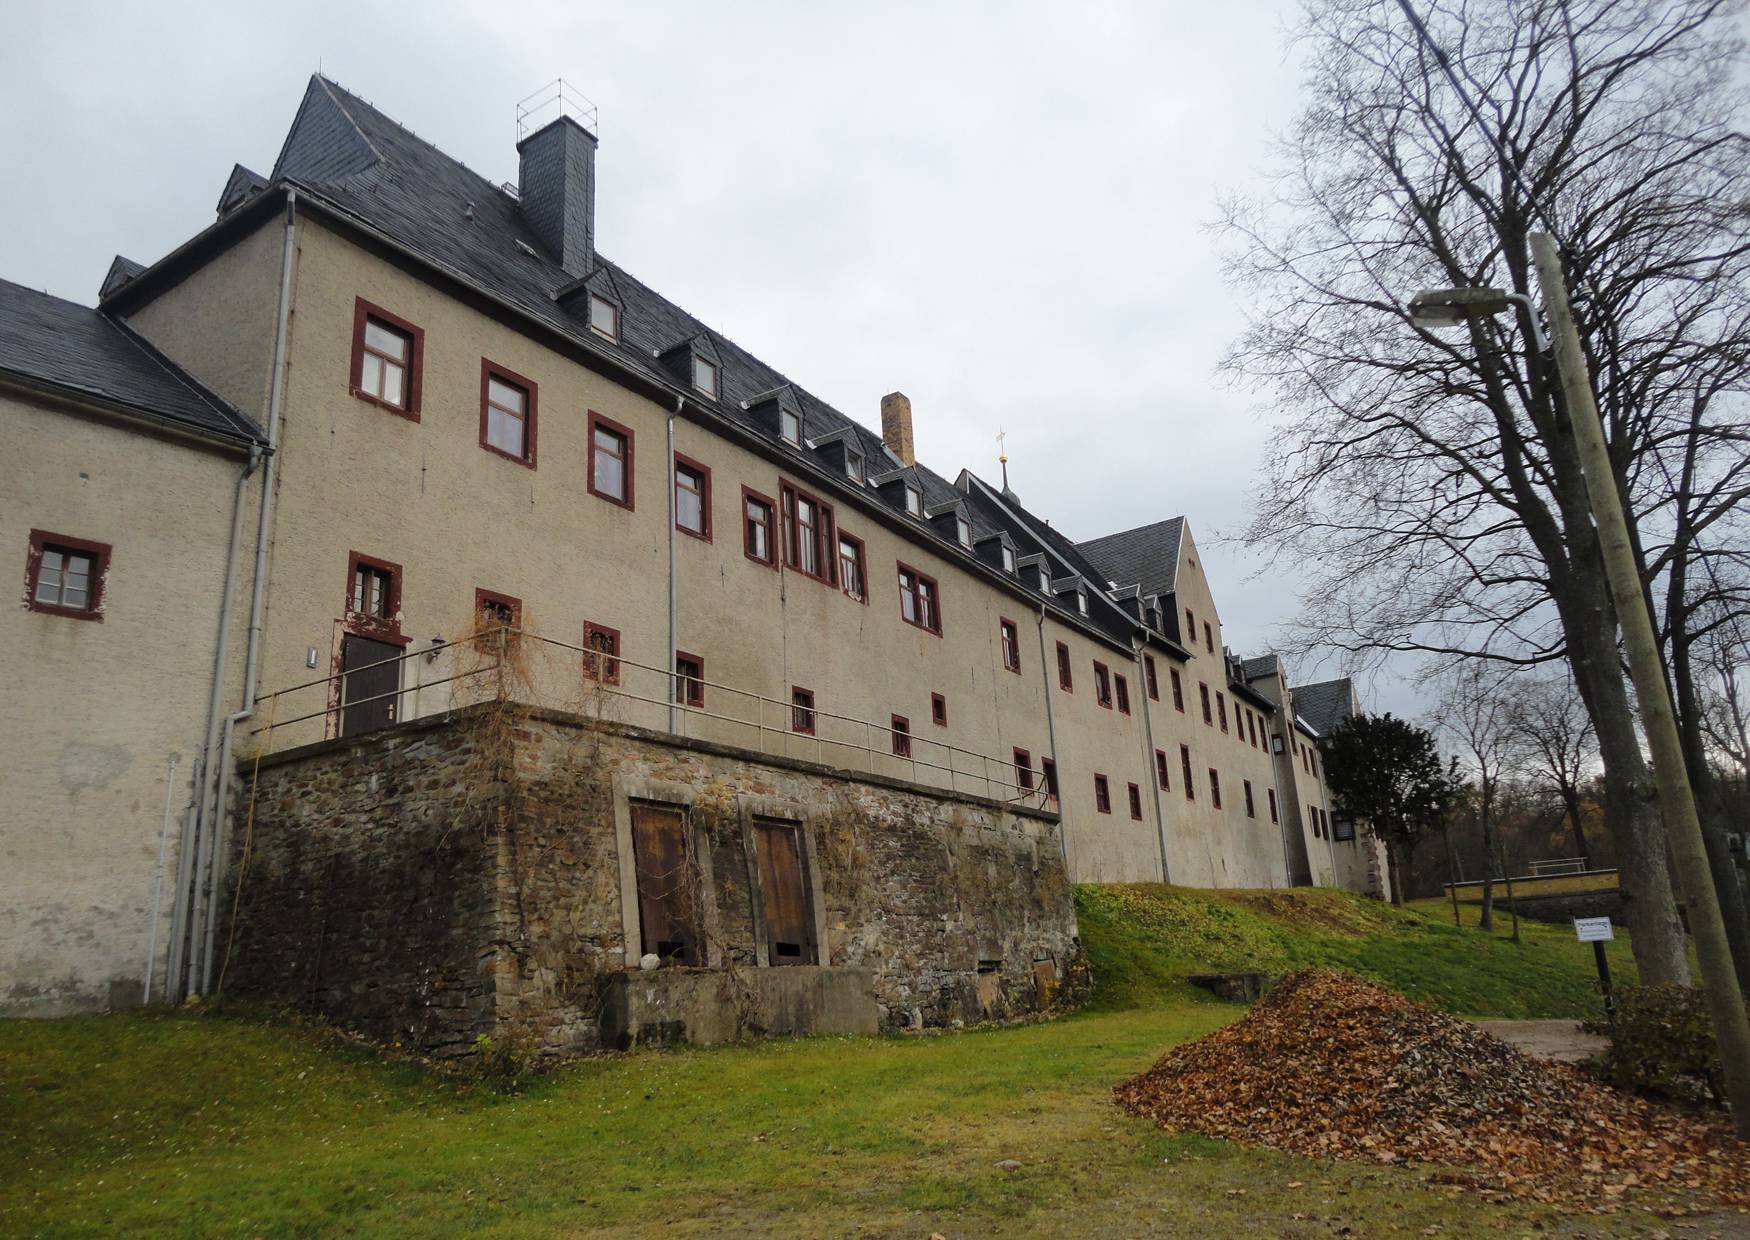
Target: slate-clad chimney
[(896, 426), (557, 187)]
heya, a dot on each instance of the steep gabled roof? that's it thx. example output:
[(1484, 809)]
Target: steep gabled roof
[(1147, 556), (51, 343), (1325, 703)]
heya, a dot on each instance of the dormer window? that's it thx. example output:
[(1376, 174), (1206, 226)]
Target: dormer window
[(914, 502), (854, 466), (705, 376), (604, 317), (790, 426), (1044, 579), (1008, 558), (963, 531), (1082, 601)]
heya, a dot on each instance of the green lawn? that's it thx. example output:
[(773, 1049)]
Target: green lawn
[(241, 1125)]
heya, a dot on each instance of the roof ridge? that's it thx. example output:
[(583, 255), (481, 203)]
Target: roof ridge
[(200, 391)]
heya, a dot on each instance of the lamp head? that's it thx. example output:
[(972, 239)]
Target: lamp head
[(1448, 307)]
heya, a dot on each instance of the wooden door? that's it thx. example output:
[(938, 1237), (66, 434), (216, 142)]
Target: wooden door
[(789, 924), (666, 918), (368, 698)]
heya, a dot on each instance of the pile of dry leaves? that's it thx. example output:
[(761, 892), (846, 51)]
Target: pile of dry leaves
[(1331, 1066)]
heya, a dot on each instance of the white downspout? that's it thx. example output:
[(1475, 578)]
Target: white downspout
[(1148, 740), (214, 855), (673, 681), (1051, 739), (187, 891)]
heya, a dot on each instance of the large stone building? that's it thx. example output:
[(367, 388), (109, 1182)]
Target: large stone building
[(446, 416)]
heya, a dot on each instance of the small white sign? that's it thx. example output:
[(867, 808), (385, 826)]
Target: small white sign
[(1593, 929)]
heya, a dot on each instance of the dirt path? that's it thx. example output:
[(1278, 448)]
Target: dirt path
[(1561, 1040)]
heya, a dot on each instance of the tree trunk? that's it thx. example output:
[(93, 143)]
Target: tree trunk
[(1724, 871), (1451, 875), (1487, 920), (1571, 799), (1631, 809)]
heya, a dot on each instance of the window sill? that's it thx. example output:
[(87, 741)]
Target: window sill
[(400, 411)]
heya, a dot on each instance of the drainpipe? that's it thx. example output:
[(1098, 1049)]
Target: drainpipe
[(1282, 818), (186, 893), (1148, 741), (1051, 739), (212, 855), (673, 684)]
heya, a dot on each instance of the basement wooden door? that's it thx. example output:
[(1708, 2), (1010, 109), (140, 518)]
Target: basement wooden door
[(789, 924), (666, 918), (367, 694)]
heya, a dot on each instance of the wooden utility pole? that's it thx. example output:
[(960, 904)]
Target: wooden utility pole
[(1676, 798)]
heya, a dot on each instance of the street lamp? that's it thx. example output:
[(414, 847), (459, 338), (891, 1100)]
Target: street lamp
[(1448, 307)]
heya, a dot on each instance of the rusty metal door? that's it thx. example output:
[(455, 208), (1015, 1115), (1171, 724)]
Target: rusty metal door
[(789, 925), (665, 887)]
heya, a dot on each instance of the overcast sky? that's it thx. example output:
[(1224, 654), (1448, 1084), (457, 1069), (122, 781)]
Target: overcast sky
[(999, 209)]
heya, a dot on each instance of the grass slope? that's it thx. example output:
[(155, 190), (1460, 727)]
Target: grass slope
[(1144, 939), (234, 1124)]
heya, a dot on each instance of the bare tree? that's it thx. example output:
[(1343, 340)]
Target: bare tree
[(1434, 481), (1554, 743), (1473, 712)]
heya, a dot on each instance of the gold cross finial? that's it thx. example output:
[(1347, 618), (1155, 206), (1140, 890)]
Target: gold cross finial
[(1003, 455)]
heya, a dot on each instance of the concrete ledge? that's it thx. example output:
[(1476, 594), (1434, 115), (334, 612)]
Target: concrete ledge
[(663, 1007)]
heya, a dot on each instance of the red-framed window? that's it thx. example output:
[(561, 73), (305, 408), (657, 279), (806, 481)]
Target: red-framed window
[(1208, 638), (938, 710), (1136, 802), (1065, 681), (601, 646), (692, 497), (493, 611), (1221, 708), (64, 576), (1122, 689), (1252, 726), (1178, 690), (809, 545), (1161, 769), (1185, 771), (1011, 639), (802, 710), (1048, 777), (1208, 710), (1270, 796), (610, 461), (1215, 787), (1251, 809), (920, 600), (853, 567), (388, 354), (758, 533), (1102, 795), (1102, 685), (373, 597), (901, 728), (507, 413), (1190, 630), (1023, 770), (689, 679), (1151, 678)]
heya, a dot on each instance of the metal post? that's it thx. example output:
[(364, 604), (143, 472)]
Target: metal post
[(1676, 797), (1604, 980)]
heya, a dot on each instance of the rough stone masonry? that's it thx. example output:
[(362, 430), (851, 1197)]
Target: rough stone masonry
[(472, 874)]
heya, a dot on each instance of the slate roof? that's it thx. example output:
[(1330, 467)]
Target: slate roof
[(1147, 556), (51, 342), (1261, 665), (1325, 704)]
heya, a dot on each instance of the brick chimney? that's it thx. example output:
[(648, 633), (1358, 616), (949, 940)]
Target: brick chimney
[(896, 426), (556, 184)]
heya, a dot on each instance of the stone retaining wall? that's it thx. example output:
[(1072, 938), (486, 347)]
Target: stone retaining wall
[(449, 878)]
